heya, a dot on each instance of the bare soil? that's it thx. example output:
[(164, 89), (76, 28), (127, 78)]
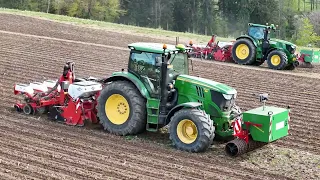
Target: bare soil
[(32, 147)]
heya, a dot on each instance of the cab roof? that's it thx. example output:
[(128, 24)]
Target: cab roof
[(158, 47), (272, 26)]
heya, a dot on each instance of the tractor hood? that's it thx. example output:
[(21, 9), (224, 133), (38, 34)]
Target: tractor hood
[(274, 41), (278, 43), (224, 89)]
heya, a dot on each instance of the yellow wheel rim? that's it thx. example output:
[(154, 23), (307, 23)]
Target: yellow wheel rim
[(117, 109), (275, 60), (187, 131), (242, 51)]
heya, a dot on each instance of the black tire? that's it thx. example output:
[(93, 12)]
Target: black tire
[(283, 60), (43, 110), (251, 58), (203, 124), (17, 108), (136, 122), (28, 109)]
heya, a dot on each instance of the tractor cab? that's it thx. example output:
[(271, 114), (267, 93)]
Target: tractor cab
[(261, 32), (145, 62)]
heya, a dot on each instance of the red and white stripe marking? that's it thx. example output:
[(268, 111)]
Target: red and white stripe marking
[(270, 128), (237, 125)]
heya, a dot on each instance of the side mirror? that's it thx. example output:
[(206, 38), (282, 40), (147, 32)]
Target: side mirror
[(158, 61)]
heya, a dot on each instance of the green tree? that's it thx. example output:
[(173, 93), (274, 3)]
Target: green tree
[(105, 10), (306, 34), (181, 20)]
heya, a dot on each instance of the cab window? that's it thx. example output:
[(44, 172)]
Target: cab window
[(178, 63), (142, 64), (256, 32)]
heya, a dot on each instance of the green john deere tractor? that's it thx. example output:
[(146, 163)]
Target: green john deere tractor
[(157, 91), (257, 47)]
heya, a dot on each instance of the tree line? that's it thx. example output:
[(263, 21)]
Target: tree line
[(298, 20)]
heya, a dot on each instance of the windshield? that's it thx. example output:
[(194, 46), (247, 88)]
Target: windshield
[(256, 32), (177, 61)]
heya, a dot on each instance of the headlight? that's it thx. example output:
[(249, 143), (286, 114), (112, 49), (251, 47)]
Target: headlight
[(223, 101), (291, 48), (294, 49), (227, 96)]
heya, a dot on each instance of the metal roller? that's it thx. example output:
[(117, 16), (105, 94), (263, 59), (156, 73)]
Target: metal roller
[(236, 147)]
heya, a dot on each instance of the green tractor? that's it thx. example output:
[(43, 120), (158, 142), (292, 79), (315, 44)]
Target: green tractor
[(257, 47), (156, 91)]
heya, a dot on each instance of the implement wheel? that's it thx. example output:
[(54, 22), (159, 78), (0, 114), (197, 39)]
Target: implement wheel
[(28, 109), (244, 52), (277, 60), (191, 130), (122, 109)]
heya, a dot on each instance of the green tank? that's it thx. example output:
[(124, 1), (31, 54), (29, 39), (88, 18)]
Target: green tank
[(273, 120), (310, 55)]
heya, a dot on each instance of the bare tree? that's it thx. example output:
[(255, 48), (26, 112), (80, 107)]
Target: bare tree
[(48, 6)]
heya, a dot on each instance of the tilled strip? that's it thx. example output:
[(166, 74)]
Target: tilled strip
[(26, 168), (148, 147), (68, 165), (8, 171), (96, 152)]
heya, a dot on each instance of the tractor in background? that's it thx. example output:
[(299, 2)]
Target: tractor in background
[(257, 46), (157, 91)]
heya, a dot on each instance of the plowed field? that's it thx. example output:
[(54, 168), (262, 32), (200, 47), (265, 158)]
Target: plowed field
[(32, 147)]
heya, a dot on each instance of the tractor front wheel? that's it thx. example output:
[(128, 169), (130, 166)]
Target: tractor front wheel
[(277, 60), (191, 130), (244, 52), (122, 109)]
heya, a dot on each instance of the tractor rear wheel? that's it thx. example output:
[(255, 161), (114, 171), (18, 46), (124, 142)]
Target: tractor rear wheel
[(122, 109), (277, 60), (191, 130), (244, 52)]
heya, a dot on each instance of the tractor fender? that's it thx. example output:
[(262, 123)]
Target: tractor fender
[(127, 76), (248, 37), (269, 51), (273, 49), (179, 107)]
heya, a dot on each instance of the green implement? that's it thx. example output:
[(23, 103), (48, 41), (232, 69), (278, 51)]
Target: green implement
[(308, 57)]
